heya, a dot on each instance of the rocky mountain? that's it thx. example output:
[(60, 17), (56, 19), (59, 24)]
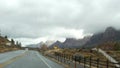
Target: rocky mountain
[(75, 43), (71, 43), (110, 34)]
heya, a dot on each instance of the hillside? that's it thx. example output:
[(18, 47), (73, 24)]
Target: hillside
[(6, 45), (3, 40)]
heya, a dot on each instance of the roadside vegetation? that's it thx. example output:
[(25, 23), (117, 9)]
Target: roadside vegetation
[(8, 45)]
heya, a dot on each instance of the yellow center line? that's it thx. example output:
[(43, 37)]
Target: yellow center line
[(12, 60)]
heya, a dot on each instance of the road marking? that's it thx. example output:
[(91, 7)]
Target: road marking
[(43, 60), (12, 60)]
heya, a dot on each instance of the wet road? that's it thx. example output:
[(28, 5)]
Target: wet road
[(30, 59), (9, 55)]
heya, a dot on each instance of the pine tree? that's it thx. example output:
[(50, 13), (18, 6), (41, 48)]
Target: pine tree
[(6, 37), (12, 42), (19, 44)]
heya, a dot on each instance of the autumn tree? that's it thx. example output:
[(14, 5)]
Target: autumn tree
[(44, 47)]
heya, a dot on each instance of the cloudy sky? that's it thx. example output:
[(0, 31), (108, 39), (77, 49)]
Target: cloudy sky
[(32, 21)]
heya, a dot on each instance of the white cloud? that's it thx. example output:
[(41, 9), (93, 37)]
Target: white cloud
[(65, 32), (54, 35), (56, 19), (27, 41), (9, 4)]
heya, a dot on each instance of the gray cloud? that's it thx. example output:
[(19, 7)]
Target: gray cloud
[(41, 18)]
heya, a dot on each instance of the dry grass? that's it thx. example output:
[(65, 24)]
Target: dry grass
[(6, 49), (1, 66), (85, 53), (114, 54)]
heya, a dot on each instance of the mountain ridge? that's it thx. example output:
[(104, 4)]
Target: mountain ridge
[(110, 34)]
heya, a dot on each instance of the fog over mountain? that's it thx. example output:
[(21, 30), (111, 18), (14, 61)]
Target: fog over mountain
[(33, 21), (109, 35)]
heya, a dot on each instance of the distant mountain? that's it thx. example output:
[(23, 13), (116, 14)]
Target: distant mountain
[(33, 46), (38, 45), (71, 43), (75, 43), (48, 43), (57, 43), (110, 34)]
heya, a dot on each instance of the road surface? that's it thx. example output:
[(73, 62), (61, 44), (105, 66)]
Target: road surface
[(26, 59), (9, 55)]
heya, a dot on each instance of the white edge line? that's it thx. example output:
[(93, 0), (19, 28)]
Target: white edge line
[(44, 61)]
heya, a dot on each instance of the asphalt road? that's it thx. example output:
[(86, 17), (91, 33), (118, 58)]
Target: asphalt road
[(9, 55), (30, 59)]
